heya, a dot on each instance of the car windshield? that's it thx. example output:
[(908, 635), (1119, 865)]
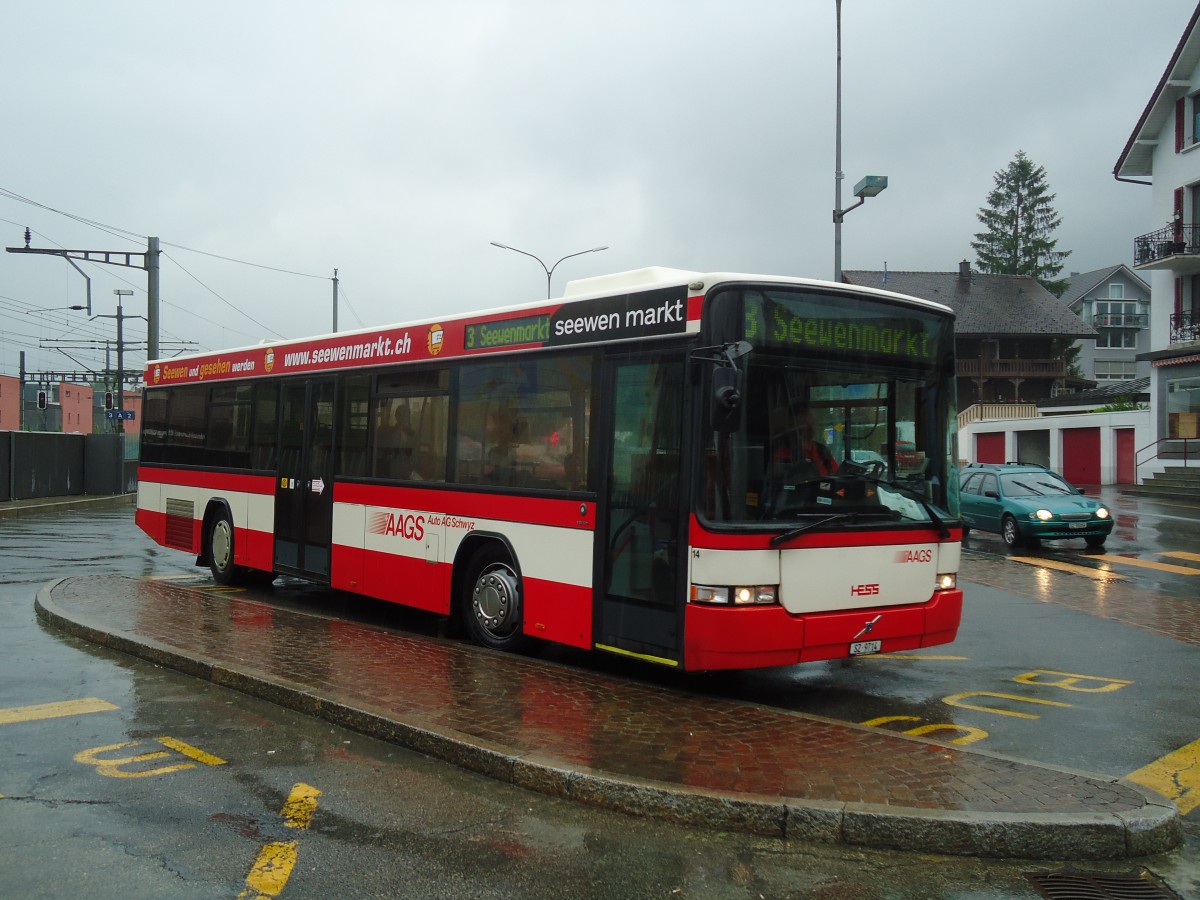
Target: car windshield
[(1034, 484)]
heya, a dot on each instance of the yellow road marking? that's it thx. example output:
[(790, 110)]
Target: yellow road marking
[(1176, 776), (1148, 564), (300, 806), (960, 701), (276, 860), (1181, 554), (194, 752), (113, 767), (54, 710), (270, 871), (1098, 574)]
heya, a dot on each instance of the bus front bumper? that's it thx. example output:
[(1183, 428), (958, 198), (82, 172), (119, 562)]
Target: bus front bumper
[(722, 637)]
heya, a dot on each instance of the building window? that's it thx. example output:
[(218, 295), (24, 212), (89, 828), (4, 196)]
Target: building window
[(1183, 407), (1117, 314), (1116, 370), (1117, 338), (1116, 291)]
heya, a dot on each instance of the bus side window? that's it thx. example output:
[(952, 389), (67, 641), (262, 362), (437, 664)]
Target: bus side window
[(352, 426), (266, 424)]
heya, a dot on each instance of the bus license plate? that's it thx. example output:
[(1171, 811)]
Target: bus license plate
[(863, 647)]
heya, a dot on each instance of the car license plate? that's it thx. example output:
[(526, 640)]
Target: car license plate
[(1078, 526), (862, 648)]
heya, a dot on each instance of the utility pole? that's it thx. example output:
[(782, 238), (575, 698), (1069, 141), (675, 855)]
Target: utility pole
[(335, 289), (119, 398), (21, 398), (148, 262)]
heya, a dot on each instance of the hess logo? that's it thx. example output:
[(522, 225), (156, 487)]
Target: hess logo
[(405, 525), (864, 590)]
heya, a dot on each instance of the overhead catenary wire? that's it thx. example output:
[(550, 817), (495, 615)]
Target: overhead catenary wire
[(127, 234)]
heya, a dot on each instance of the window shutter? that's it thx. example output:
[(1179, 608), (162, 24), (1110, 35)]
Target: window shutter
[(1180, 115)]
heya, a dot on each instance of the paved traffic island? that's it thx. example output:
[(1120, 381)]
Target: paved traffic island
[(620, 744)]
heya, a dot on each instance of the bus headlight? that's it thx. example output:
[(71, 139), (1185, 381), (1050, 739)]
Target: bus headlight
[(740, 595), (947, 581)]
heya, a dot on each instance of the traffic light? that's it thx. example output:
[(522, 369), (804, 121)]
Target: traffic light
[(41, 399), (108, 399)]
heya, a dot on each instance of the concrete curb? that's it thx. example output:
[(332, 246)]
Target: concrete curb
[(1152, 829), (13, 508)]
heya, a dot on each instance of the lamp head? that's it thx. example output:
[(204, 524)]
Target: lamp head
[(871, 186)]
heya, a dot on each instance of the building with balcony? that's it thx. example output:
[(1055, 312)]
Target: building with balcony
[(1164, 152), (1116, 302), (1009, 332)]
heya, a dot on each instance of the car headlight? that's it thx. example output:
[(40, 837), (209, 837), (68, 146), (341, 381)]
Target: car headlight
[(947, 581), (1102, 513), (1043, 515)]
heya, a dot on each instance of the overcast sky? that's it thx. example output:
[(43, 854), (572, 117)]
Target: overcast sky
[(394, 140)]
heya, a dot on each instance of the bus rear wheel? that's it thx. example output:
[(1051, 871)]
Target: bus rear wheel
[(220, 549), (492, 607)]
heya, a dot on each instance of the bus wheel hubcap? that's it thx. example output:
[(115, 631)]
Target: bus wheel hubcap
[(220, 544), (494, 601)]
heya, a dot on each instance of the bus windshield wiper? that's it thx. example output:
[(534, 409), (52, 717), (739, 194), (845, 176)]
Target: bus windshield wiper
[(784, 536)]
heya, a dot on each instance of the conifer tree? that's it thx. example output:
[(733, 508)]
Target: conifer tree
[(1019, 221)]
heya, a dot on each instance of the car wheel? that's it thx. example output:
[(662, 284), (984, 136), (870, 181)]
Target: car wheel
[(492, 607), (1095, 541), (220, 549), (966, 533), (1010, 532)]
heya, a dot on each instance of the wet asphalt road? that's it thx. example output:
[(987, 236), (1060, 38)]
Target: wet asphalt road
[(391, 823)]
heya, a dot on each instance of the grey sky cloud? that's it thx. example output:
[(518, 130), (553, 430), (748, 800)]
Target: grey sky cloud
[(394, 140)]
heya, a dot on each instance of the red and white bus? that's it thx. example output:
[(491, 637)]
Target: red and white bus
[(600, 470)]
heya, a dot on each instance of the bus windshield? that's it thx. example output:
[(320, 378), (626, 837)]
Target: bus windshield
[(847, 413)]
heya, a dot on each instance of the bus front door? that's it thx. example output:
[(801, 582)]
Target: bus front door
[(304, 482), (640, 611)]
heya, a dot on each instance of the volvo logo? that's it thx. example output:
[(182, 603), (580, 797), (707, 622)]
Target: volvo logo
[(868, 628)]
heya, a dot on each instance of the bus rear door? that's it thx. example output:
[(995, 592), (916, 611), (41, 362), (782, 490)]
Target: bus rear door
[(304, 482)]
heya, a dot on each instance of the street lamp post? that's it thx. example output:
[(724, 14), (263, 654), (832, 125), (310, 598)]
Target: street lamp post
[(549, 271), (870, 186)]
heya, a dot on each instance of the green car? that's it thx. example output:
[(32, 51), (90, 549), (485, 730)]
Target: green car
[(1026, 504)]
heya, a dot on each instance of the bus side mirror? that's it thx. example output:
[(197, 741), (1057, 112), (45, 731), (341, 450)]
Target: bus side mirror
[(725, 406)]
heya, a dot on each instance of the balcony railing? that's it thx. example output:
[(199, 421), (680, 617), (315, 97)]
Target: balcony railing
[(1185, 326), (1011, 368), (1120, 320), (1173, 240)]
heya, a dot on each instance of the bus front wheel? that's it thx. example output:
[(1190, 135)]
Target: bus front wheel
[(493, 604), (220, 549)]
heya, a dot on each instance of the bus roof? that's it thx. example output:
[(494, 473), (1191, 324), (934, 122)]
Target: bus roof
[(642, 303)]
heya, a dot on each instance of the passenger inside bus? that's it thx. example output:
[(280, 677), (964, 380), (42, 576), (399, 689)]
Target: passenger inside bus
[(394, 442)]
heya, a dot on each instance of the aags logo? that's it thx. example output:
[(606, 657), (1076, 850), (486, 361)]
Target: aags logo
[(405, 525)]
